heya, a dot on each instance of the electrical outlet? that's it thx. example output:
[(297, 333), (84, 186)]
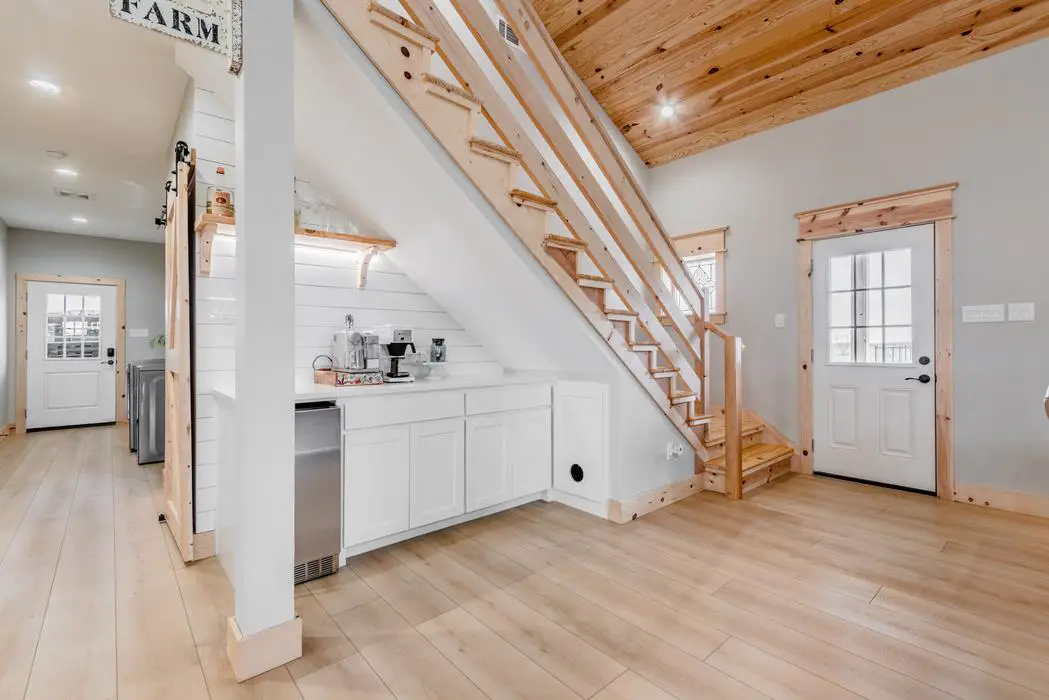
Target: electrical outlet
[(674, 450)]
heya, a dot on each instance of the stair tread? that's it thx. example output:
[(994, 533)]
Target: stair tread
[(563, 242), (450, 87), (716, 433), (697, 421), (621, 312), (401, 20), (644, 347), (532, 197), (586, 280), (755, 457), (494, 146), (664, 370)]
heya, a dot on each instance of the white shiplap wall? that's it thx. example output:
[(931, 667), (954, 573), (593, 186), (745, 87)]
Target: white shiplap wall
[(325, 291)]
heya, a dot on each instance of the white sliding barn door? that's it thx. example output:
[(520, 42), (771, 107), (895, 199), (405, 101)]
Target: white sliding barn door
[(874, 337)]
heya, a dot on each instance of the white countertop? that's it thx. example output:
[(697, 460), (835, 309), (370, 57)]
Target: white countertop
[(322, 392)]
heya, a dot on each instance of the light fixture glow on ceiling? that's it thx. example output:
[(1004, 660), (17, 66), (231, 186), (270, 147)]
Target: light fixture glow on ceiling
[(79, 220), (667, 111), (66, 172), (44, 86)]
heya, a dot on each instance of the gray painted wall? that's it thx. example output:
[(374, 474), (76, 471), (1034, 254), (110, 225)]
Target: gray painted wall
[(983, 125), (140, 265)]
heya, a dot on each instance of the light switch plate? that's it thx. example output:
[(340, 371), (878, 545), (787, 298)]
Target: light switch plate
[(989, 313), (781, 320), (1023, 311), (138, 332)]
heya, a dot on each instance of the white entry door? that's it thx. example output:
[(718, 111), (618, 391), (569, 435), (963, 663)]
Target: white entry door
[(71, 332), (874, 388)]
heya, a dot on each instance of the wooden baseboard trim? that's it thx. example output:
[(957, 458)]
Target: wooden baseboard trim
[(1011, 501), (8, 429), (263, 651), (645, 503), (203, 545)]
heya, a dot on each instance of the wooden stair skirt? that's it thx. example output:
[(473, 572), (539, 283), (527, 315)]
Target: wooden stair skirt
[(762, 462)]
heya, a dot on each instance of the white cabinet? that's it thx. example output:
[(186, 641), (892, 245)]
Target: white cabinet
[(581, 440), (508, 455), (488, 475), (530, 451), (437, 471), (376, 469)]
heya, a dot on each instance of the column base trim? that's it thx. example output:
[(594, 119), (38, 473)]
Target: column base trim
[(262, 651), (632, 508)]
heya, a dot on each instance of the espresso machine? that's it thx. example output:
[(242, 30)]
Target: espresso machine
[(355, 356), (395, 341)]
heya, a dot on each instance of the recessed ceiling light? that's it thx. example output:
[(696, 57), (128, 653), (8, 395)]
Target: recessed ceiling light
[(79, 220), (667, 111), (66, 172), (44, 86)]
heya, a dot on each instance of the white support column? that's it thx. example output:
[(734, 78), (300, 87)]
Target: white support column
[(264, 632)]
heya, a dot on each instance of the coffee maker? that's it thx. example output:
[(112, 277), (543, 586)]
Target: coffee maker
[(395, 342)]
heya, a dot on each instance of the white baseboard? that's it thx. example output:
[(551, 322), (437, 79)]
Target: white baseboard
[(364, 547), (600, 509)]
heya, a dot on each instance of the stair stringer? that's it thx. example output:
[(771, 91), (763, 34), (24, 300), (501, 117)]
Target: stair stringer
[(404, 68), (358, 139)]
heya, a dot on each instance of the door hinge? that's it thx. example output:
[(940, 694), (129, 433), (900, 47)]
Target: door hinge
[(812, 448)]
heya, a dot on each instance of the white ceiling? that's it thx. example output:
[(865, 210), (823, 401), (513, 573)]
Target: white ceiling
[(121, 92)]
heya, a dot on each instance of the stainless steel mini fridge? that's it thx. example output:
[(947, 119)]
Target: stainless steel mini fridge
[(145, 414), (318, 489)]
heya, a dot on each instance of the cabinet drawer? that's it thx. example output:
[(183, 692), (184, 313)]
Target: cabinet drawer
[(507, 398), (374, 411)]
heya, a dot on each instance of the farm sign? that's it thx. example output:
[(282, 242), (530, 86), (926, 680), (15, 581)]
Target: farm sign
[(210, 28)]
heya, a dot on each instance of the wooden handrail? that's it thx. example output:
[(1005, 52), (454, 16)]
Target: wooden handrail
[(522, 84), (562, 81)]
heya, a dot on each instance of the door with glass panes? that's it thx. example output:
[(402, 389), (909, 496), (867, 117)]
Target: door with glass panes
[(71, 332), (874, 395)]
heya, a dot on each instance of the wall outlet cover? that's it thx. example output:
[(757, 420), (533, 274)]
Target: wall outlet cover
[(988, 313), (780, 321), (1023, 311)]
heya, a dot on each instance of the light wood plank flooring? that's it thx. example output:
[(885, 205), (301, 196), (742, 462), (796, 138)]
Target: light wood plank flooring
[(808, 589)]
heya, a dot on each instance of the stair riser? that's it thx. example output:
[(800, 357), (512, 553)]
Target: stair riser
[(453, 124), (567, 259), (748, 440), (530, 223), (595, 295), (667, 384), (646, 357), (715, 481), (498, 174)]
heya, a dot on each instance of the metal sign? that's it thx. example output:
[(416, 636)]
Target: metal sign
[(209, 29)]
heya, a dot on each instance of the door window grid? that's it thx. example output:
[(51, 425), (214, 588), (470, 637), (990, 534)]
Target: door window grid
[(74, 326), (870, 308)]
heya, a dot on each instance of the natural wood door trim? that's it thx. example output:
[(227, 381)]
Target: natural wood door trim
[(933, 205), (21, 329), (911, 208)]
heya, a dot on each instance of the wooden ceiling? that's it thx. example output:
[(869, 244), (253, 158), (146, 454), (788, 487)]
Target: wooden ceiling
[(735, 67)]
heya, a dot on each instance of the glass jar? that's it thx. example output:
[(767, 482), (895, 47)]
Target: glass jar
[(438, 350)]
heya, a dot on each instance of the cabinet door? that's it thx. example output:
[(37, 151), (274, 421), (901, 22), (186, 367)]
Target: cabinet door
[(375, 483), (438, 482), (530, 450), (488, 476)]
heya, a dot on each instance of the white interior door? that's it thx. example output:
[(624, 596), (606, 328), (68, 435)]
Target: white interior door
[(71, 332), (874, 341)]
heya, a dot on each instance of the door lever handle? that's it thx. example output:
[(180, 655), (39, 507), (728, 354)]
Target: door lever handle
[(924, 379)]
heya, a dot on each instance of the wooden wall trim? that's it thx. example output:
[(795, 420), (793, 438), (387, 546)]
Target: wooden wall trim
[(944, 286), (21, 328), (805, 356), (842, 220), (893, 211), (645, 503), (1011, 501)]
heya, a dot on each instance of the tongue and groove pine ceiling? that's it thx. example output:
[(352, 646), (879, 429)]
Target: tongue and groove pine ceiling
[(732, 68)]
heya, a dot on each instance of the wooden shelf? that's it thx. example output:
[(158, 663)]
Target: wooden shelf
[(208, 226)]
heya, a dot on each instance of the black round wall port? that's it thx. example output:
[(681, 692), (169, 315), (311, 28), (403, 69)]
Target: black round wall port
[(577, 473)]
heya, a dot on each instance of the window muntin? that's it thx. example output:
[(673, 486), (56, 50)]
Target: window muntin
[(704, 270), (869, 310), (74, 327)]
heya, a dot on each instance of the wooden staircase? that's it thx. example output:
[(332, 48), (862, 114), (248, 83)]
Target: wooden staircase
[(766, 456), (662, 347)]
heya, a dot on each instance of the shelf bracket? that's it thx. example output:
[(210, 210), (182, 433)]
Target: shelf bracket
[(362, 273)]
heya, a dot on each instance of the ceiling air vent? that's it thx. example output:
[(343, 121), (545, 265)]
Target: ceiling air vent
[(508, 34), (69, 194)]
